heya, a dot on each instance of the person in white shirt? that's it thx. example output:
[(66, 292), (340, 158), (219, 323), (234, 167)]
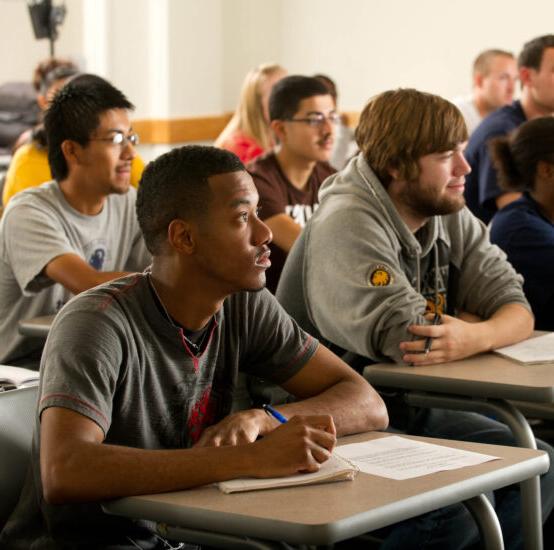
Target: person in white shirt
[(494, 80)]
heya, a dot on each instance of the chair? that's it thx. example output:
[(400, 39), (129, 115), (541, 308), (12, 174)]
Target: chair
[(17, 420)]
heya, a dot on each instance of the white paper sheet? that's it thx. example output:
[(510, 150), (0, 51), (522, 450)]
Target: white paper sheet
[(397, 457), (532, 351)]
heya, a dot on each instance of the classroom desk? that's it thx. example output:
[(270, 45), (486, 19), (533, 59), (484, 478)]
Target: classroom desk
[(483, 383), (328, 513), (36, 327)]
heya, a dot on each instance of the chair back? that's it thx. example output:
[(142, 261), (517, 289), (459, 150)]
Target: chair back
[(17, 421)]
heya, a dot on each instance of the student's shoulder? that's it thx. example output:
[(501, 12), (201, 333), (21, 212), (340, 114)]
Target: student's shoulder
[(500, 122), (111, 299), (45, 198), (260, 166)]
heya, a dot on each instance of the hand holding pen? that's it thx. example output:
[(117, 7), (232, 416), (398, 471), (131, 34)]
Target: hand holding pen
[(429, 340), (443, 339)]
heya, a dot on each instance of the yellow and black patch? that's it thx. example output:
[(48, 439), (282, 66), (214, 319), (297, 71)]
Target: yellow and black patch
[(379, 275)]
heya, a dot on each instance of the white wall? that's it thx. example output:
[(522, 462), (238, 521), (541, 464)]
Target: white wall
[(20, 52), (178, 58)]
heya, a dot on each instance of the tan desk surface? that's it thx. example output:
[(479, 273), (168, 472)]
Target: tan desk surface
[(486, 375), (323, 514)]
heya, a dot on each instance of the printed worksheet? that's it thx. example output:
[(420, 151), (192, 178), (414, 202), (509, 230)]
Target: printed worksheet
[(397, 457)]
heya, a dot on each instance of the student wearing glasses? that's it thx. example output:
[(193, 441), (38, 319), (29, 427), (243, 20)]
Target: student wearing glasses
[(80, 229), (303, 119), (29, 165)]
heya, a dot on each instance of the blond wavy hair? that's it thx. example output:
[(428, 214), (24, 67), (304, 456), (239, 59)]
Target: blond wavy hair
[(249, 116)]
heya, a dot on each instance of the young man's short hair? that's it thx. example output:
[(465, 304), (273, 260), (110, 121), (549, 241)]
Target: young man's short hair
[(398, 127), (287, 94), (482, 63), (531, 54), (175, 185), (74, 114)]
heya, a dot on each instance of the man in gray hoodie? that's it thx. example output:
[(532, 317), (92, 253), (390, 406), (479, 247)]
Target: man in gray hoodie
[(393, 259)]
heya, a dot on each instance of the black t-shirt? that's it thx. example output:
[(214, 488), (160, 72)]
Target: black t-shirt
[(279, 196)]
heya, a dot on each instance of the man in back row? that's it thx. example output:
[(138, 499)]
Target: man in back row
[(494, 82), (303, 118), (404, 248), (536, 74), (79, 230)]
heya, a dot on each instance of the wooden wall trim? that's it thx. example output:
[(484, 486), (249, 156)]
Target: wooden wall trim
[(182, 130), (179, 130)]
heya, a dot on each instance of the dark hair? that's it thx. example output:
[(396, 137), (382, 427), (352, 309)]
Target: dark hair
[(398, 127), (531, 54), (289, 92), (175, 185), (329, 83), (75, 113), (47, 71), (517, 155)]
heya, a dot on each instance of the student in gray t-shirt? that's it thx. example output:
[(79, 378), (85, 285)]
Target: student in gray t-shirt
[(80, 230), (138, 375)]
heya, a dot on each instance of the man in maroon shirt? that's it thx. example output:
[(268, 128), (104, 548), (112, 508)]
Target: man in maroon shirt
[(303, 118)]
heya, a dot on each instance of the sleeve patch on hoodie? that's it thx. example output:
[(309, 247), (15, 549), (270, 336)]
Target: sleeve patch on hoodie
[(379, 275)]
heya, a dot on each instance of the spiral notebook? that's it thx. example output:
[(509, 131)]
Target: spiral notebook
[(336, 468)]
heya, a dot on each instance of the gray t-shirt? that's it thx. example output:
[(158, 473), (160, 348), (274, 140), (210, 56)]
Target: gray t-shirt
[(114, 356), (39, 225)]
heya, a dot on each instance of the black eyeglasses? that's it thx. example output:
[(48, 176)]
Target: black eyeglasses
[(119, 138), (317, 120)]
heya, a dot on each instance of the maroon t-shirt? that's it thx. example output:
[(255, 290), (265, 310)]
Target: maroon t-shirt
[(279, 196)]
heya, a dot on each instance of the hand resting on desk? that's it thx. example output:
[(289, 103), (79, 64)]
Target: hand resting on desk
[(457, 338), (300, 445)]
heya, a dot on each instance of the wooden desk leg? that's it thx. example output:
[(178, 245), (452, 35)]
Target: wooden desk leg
[(531, 512), (489, 528)]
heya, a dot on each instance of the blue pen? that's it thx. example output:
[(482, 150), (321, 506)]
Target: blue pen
[(275, 414)]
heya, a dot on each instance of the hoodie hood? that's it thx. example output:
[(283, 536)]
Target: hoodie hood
[(358, 181)]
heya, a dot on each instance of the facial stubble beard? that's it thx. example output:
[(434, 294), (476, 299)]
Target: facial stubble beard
[(429, 204)]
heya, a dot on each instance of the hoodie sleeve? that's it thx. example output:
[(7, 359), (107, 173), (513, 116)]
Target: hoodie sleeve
[(487, 279), (356, 291)]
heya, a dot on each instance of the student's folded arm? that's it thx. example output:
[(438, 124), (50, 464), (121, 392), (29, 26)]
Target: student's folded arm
[(76, 466), (456, 338), (285, 230), (357, 293), (76, 275)]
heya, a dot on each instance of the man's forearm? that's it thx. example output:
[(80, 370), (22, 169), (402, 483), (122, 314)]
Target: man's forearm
[(508, 325), (115, 471), (354, 405)]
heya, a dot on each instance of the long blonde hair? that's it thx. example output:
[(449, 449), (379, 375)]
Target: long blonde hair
[(249, 116)]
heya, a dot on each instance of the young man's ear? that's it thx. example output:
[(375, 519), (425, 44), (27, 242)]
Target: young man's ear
[(71, 151), (181, 235), (525, 75), (478, 80), (394, 172), (279, 129)]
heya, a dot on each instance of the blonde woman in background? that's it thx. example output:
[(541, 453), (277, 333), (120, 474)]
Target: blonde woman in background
[(247, 134)]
